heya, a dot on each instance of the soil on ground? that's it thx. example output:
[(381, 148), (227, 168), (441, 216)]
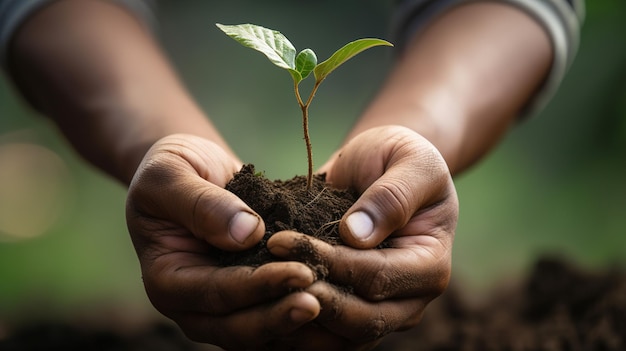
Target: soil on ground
[(558, 307)]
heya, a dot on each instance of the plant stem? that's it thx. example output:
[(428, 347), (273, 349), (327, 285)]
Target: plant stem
[(307, 141), (304, 106)]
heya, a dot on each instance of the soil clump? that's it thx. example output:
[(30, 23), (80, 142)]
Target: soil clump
[(289, 205)]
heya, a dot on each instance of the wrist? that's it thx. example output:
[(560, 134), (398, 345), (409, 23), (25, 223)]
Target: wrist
[(463, 81), (133, 123), (93, 69), (430, 111)]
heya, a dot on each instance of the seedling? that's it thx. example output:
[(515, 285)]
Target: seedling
[(280, 51)]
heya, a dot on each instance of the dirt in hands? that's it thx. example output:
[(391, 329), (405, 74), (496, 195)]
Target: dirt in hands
[(289, 205)]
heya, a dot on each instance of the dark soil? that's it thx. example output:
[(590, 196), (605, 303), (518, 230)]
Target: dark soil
[(288, 205), (558, 307), (62, 336)]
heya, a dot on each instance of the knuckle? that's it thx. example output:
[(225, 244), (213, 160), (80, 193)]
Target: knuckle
[(375, 329), (379, 287), (207, 206), (394, 199)]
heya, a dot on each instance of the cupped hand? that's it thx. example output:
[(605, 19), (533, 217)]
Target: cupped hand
[(177, 211), (408, 200)]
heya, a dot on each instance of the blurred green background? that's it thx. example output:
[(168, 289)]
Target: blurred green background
[(555, 184)]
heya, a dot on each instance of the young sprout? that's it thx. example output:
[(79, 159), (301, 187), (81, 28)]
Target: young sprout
[(280, 51)]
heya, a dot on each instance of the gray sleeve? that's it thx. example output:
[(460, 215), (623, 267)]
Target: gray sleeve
[(14, 12), (561, 19)]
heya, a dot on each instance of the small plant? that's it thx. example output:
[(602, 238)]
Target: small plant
[(280, 51)]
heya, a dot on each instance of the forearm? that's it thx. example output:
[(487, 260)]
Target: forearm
[(96, 71), (464, 80)]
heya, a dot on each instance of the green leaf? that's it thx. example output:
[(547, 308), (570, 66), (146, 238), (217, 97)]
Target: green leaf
[(297, 77), (271, 43), (342, 55), (306, 62)]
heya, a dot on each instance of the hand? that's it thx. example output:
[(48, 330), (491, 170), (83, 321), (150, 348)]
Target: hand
[(177, 209), (408, 199)]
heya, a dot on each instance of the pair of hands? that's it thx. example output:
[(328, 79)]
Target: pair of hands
[(177, 209)]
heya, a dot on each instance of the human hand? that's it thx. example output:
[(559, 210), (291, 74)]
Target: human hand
[(177, 209), (408, 199)]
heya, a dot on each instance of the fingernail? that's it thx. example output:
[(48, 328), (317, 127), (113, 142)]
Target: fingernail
[(360, 225), (298, 315), (242, 226)]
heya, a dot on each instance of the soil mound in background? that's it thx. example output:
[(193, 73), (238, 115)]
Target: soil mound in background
[(559, 307)]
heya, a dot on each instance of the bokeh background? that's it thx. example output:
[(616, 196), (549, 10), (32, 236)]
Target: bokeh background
[(556, 184)]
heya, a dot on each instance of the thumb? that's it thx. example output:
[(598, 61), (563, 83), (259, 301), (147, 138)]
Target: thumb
[(409, 175), (218, 216), (187, 190), (385, 206)]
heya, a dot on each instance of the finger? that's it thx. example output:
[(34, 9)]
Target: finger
[(182, 182), (222, 290), (376, 274), (361, 321), (253, 328), (402, 175)]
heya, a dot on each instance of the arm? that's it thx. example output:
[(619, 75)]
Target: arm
[(96, 71), (463, 82)]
